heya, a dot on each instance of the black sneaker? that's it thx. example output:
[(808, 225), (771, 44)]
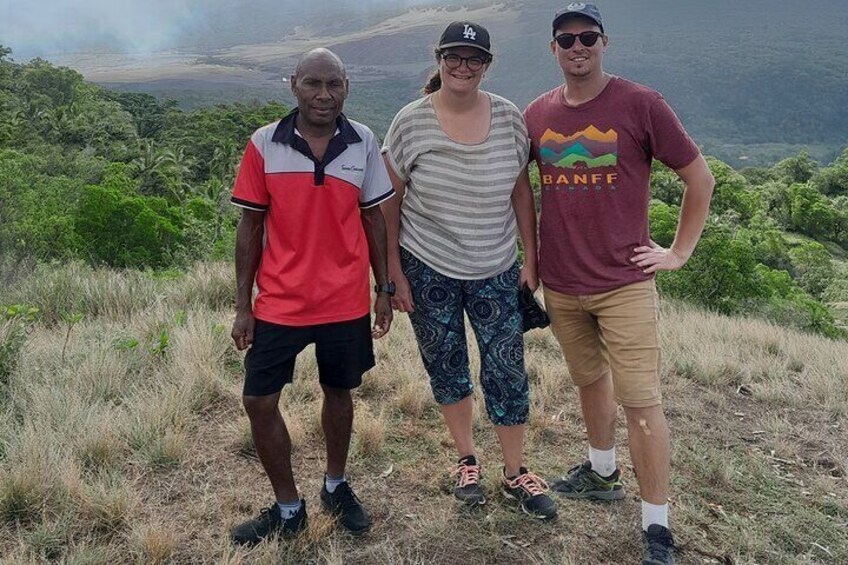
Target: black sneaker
[(344, 505), (467, 489), (583, 482), (657, 546), (529, 490), (269, 523)]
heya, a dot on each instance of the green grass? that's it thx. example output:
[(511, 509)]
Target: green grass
[(122, 453)]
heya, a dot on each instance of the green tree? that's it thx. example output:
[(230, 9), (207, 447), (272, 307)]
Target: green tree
[(770, 246), (833, 179), (36, 211), (202, 132), (162, 171), (121, 230), (665, 184), (731, 192), (720, 275), (662, 220), (813, 267), (799, 168), (811, 213), (148, 113)]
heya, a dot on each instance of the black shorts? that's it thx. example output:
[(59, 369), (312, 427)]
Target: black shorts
[(344, 352)]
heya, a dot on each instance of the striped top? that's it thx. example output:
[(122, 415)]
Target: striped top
[(457, 214)]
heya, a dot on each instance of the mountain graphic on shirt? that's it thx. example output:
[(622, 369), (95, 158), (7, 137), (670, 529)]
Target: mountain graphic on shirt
[(585, 149)]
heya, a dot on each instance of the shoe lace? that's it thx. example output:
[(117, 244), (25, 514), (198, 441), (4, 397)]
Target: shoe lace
[(583, 474), (265, 515), (346, 497), (581, 470), (532, 484), (468, 474), (576, 468), (659, 546)]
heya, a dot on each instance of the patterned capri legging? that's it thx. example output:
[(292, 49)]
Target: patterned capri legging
[(438, 321)]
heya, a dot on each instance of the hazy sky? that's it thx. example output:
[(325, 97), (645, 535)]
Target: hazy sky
[(57, 25), (41, 27)]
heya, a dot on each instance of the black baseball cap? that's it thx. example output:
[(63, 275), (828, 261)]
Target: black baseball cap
[(578, 9), (465, 34)]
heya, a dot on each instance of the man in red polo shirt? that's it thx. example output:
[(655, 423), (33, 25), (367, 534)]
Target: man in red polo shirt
[(309, 188)]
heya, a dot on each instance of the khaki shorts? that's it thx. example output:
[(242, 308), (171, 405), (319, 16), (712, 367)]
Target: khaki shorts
[(616, 330)]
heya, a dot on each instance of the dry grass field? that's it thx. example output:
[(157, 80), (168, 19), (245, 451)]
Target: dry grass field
[(122, 440)]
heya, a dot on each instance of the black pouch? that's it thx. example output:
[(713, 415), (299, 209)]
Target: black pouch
[(532, 313)]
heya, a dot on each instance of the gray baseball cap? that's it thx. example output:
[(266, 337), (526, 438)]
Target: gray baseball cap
[(578, 9)]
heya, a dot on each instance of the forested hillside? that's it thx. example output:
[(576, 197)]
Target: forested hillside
[(114, 178), (124, 180)]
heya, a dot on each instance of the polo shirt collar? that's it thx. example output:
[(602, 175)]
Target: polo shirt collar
[(285, 130)]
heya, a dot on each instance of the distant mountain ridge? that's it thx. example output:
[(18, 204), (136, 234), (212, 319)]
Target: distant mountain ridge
[(726, 78)]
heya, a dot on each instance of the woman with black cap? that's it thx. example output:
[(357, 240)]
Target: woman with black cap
[(458, 158)]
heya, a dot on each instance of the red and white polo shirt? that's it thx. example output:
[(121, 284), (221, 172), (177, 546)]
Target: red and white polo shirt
[(314, 265)]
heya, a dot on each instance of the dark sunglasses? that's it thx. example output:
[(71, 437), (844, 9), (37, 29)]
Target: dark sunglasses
[(587, 38), (454, 61)]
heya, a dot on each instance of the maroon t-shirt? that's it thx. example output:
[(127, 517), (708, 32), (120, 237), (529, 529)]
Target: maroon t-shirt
[(595, 165)]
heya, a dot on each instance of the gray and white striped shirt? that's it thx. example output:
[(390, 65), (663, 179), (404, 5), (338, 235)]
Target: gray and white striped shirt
[(457, 214)]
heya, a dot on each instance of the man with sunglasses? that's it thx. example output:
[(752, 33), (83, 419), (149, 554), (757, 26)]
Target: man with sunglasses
[(594, 138)]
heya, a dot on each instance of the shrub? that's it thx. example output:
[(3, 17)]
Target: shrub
[(127, 231), (813, 267), (13, 322)]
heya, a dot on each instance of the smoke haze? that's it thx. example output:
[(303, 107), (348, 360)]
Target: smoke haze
[(43, 28)]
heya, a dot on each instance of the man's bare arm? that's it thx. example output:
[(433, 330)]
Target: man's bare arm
[(249, 234), (375, 233), (698, 185)]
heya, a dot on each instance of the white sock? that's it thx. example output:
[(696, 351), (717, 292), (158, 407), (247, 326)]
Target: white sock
[(288, 509), (654, 514), (603, 461), (331, 483)]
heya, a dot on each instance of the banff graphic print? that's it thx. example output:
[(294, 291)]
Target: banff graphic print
[(581, 155)]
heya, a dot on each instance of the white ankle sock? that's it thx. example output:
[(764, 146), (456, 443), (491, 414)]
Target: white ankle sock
[(603, 461), (288, 509), (332, 483), (654, 514)]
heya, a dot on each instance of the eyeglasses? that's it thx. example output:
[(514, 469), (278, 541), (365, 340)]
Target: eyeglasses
[(587, 38), (454, 61)]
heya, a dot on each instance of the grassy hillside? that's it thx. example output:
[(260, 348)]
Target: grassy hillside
[(122, 440)]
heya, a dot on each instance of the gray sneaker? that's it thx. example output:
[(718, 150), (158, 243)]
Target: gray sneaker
[(531, 494), (583, 482), (657, 546)]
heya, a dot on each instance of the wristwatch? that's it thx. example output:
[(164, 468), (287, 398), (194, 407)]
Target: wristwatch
[(388, 288)]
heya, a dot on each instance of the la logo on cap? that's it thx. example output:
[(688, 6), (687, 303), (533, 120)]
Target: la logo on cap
[(576, 6), (469, 33)]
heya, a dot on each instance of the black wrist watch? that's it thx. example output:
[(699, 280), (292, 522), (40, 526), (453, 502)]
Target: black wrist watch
[(388, 288)]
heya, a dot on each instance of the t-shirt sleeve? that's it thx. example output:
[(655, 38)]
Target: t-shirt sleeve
[(522, 140), (669, 142), (376, 187), (531, 147), (249, 190), (393, 148)]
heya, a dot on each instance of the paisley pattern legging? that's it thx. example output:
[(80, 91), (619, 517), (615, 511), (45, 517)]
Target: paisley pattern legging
[(492, 308)]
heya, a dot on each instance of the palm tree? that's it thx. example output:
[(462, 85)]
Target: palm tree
[(161, 171)]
